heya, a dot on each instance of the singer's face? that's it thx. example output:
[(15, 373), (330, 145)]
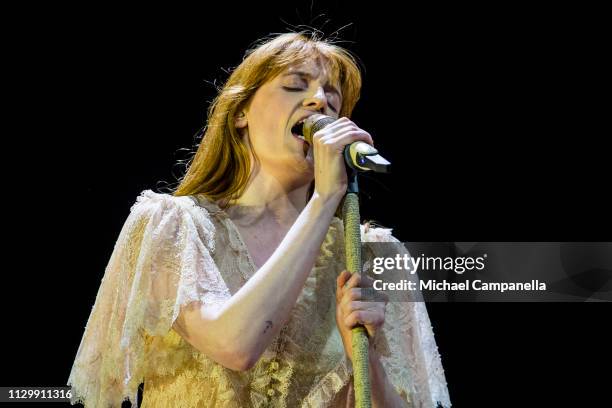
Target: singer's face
[(280, 103)]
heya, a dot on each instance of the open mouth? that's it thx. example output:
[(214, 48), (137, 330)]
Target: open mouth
[(297, 131)]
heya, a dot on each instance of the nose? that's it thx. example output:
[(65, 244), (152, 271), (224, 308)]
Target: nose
[(317, 101)]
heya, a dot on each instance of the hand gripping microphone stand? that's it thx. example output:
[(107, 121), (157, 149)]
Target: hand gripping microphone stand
[(359, 157)]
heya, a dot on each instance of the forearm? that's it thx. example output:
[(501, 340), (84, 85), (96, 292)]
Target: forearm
[(383, 392), (255, 314)]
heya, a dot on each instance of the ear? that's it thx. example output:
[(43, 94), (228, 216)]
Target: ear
[(240, 120)]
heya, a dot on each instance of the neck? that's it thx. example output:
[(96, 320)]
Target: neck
[(270, 197)]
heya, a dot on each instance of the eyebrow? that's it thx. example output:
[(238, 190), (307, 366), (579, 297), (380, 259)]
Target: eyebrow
[(310, 76)]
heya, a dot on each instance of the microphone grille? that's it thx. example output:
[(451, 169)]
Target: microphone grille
[(313, 124)]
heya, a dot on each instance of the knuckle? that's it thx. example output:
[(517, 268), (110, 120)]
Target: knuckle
[(319, 134), (343, 309), (328, 142)]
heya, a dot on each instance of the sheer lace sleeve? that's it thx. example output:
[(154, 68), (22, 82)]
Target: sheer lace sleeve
[(408, 349), (161, 261)]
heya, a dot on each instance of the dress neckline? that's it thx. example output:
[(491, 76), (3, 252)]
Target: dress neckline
[(214, 209)]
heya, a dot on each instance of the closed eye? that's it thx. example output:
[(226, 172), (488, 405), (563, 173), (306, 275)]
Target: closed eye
[(290, 89)]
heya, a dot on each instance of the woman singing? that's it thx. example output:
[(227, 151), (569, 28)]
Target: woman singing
[(231, 292)]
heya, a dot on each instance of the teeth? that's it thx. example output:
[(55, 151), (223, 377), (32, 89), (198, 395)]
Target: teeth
[(297, 129)]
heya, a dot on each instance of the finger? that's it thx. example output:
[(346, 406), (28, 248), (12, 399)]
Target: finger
[(368, 293), (343, 277), (373, 320), (337, 128), (340, 129), (340, 282), (364, 317), (350, 295), (354, 305), (377, 299), (364, 300), (353, 281), (349, 136), (342, 121), (338, 124)]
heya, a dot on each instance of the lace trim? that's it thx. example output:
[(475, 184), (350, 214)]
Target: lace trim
[(423, 380), (235, 239), (328, 388), (141, 294)]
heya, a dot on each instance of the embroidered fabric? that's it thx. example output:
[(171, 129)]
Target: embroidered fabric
[(173, 251)]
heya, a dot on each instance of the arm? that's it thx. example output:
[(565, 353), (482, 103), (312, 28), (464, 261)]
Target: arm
[(237, 333), (351, 310)]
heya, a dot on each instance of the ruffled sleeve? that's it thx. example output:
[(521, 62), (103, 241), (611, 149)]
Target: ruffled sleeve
[(407, 347), (161, 261)]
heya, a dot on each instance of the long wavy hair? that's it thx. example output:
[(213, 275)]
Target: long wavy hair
[(220, 168)]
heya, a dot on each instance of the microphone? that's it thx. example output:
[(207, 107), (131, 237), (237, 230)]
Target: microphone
[(359, 155)]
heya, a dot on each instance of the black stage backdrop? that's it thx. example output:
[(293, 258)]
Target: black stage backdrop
[(489, 116)]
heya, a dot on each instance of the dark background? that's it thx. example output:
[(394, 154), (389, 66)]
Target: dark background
[(491, 118)]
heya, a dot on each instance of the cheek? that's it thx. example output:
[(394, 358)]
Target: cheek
[(266, 130), (269, 117), (274, 115)]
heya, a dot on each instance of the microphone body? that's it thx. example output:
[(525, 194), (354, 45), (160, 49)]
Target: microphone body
[(359, 155)]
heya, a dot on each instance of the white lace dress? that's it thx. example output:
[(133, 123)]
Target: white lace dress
[(176, 250)]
